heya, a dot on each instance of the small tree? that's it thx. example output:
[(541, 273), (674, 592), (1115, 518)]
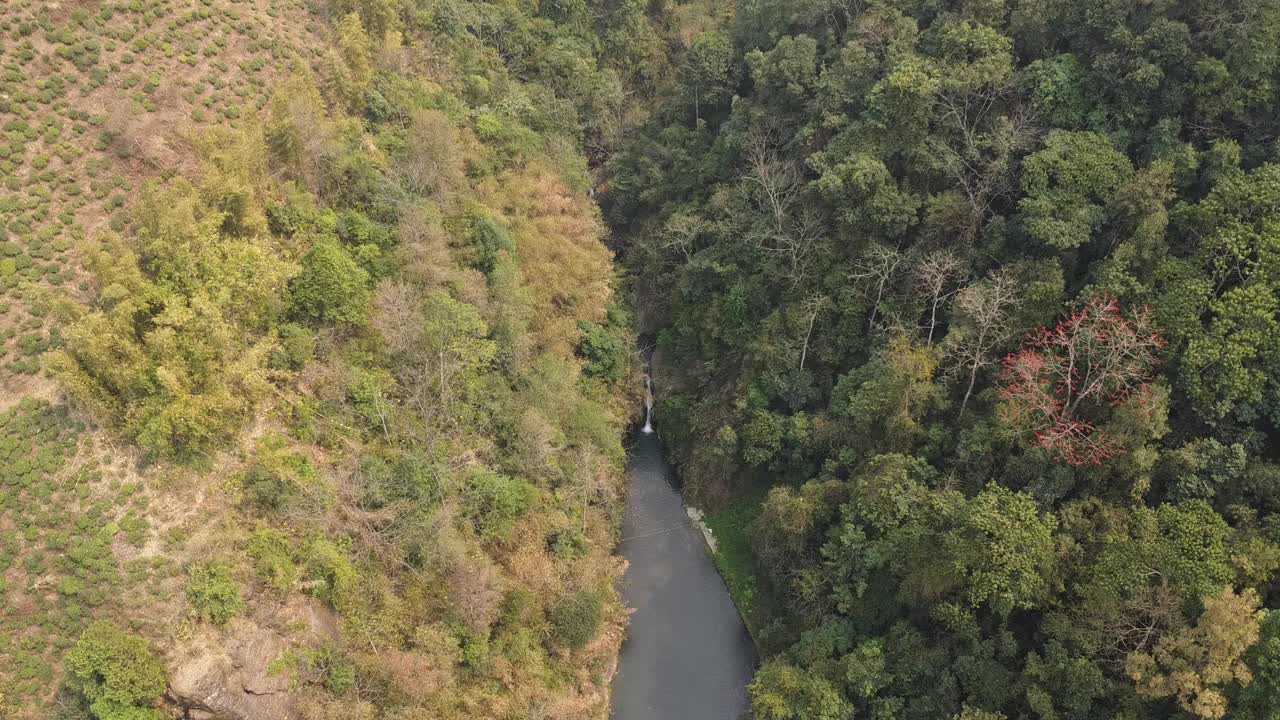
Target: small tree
[(355, 69), (1065, 378), (1196, 664), (707, 74), (886, 399), (332, 287), (116, 672), (782, 691), (1005, 548)]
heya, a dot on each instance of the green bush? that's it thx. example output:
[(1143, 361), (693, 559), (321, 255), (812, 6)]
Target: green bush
[(116, 672), (577, 619), (338, 672), (266, 490), (488, 239), (605, 349), (273, 559), (214, 593), (279, 476), (297, 347), (355, 228), (328, 563), (332, 288), (494, 502)]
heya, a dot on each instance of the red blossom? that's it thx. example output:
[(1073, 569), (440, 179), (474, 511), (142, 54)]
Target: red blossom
[(1096, 358)]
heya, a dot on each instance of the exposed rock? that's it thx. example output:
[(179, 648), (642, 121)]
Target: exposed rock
[(313, 622), (233, 681), (228, 675), (696, 516)]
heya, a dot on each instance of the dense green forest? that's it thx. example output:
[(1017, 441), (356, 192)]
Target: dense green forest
[(965, 315)]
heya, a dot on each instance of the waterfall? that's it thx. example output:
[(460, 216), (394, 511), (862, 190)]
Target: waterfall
[(648, 405)]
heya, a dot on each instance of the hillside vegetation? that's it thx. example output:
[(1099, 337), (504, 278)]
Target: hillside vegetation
[(984, 293), (313, 366), (315, 363)]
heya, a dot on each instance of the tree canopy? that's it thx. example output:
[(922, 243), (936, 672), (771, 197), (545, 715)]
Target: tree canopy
[(982, 293)]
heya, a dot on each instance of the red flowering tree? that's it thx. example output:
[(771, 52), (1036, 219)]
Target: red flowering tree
[(1065, 379)]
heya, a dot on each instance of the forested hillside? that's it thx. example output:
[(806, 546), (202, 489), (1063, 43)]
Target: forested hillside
[(966, 320), (315, 362), (314, 369)]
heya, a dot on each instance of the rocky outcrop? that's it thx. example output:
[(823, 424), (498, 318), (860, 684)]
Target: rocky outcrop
[(235, 674)]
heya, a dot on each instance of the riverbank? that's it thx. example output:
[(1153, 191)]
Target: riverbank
[(734, 557)]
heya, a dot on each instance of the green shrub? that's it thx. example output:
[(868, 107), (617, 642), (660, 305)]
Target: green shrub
[(488, 239), (338, 672), (355, 228), (214, 593), (272, 558), (577, 619), (337, 581), (494, 502), (332, 288), (116, 672), (279, 476), (475, 649), (266, 490), (605, 349), (297, 347)]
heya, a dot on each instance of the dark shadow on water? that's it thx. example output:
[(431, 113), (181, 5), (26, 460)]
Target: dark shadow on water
[(687, 655)]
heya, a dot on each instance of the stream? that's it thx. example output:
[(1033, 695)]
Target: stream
[(687, 655)]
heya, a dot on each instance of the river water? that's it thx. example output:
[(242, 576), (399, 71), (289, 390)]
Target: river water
[(687, 655)]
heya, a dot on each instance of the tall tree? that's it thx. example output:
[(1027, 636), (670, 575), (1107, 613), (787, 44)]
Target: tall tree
[(1059, 386), (981, 325)]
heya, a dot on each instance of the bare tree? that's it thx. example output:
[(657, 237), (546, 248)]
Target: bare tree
[(475, 592), (300, 134), (814, 306), (982, 314), (796, 243), (397, 315), (424, 246), (125, 130), (779, 180), (431, 164), (980, 150), (780, 185), (840, 14), (877, 267), (933, 275), (1136, 625), (680, 232)]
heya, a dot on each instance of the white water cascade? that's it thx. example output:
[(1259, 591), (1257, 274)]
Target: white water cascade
[(648, 405)]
